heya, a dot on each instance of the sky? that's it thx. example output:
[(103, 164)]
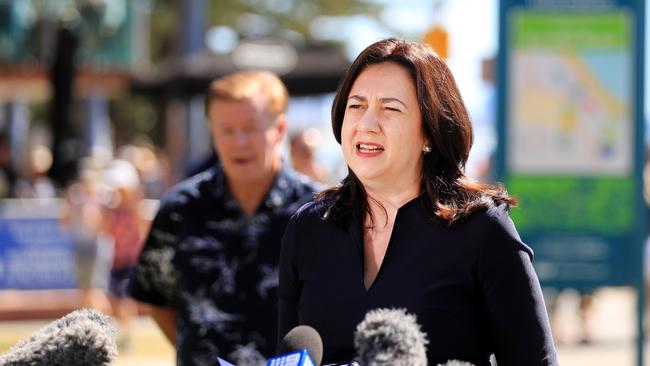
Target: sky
[(472, 27)]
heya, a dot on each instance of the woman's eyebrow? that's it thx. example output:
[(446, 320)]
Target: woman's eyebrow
[(390, 99), (383, 100), (357, 97)]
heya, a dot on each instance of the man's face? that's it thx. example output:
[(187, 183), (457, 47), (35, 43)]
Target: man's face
[(247, 138)]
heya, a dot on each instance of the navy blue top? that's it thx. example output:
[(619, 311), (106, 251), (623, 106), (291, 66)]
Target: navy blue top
[(471, 286), (218, 267)]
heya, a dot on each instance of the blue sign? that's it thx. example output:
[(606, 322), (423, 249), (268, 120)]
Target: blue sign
[(35, 251)]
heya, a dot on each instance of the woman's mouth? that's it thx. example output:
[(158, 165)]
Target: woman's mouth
[(369, 149)]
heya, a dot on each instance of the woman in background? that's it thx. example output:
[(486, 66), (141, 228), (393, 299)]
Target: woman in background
[(407, 229)]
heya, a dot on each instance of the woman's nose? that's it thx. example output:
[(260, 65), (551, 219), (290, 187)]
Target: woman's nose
[(369, 121)]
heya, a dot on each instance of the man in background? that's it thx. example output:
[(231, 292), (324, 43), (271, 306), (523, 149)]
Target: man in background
[(209, 266)]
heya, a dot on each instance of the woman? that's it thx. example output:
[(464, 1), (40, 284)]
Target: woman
[(407, 229)]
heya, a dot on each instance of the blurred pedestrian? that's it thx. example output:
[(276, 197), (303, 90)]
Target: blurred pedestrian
[(125, 225), (92, 244), (553, 297), (7, 173), (152, 166), (34, 182), (209, 265), (304, 144)]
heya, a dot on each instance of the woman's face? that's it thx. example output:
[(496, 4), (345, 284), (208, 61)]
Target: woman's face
[(381, 136)]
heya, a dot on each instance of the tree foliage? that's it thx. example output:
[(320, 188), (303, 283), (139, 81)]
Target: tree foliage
[(289, 19), (294, 15)]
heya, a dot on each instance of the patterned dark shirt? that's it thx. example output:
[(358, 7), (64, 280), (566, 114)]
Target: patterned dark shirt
[(218, 267)]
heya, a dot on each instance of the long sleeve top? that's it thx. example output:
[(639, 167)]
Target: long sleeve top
[(471, 285)]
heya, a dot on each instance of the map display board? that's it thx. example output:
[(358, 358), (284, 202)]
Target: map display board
[(571, 136)]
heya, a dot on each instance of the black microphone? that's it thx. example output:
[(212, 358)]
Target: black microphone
[(82, 338), (302, 337), (390, 337)]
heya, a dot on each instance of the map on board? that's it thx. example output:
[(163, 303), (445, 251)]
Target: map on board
[(569, 94)]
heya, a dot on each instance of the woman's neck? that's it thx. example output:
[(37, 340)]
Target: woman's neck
[(384, 203)]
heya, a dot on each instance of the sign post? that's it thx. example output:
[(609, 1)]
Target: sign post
[(570, 124)]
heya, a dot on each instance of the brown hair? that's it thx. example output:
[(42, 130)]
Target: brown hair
[(446, 126), (244, 85)]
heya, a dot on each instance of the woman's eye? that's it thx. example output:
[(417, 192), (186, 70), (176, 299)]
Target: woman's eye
[(393, 109), (354, 106)]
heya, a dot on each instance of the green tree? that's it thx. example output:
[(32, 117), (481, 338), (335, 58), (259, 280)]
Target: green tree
[(280, 18), (291, 15)]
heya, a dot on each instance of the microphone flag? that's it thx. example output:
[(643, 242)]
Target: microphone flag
[(298, 358)]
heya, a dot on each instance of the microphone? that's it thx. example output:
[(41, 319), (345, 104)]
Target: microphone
[(390, 337), (301, 346), (81, 338)]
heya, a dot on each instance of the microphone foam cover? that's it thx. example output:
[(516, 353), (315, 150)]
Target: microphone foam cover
[(83, 337), (303, 337), (390, 337)]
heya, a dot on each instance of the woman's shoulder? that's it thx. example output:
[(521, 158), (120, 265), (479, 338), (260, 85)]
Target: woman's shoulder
[(316, 209), (307, 222), (491, 214), (495, 228)]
